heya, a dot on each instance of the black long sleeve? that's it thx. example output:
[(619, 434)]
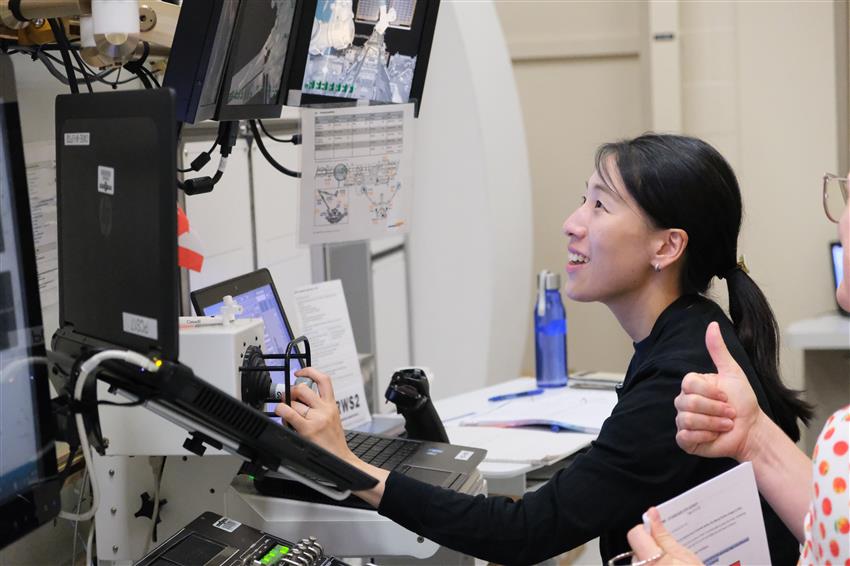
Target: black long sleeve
[(634, 464)]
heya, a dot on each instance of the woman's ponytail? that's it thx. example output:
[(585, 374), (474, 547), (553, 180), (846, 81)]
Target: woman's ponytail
[(756, 327)]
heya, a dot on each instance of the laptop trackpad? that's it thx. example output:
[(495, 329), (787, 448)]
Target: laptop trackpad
[(434, 477)]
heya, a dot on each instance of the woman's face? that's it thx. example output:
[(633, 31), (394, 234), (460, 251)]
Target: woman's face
[(609, 243), (842, 294)]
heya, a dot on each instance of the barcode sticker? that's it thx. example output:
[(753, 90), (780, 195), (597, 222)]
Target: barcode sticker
[(226, 524), (77, 138), (464, 455)]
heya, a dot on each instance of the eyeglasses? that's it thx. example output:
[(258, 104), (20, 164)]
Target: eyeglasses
[(834, 196)]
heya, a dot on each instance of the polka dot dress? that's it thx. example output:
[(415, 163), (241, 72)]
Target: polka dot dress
[(826, 524)]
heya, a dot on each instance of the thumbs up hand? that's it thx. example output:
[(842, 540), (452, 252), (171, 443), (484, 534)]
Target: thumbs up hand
[(717, 412)]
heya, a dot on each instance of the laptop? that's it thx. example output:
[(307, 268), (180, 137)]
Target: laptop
[(445, 465), (118, 283), (836, 252)]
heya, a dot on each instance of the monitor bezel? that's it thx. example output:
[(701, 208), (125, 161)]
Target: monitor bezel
[(227, 112), (299, 56), (40, 503)]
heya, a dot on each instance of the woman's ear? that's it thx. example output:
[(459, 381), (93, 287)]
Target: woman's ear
[(671, 245)]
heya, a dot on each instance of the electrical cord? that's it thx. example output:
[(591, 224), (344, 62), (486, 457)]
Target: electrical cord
[(294, 139), (89, 544), (62, 40), (199, 162), (86, 368), (156, 487), (267, 155), (226, 139)]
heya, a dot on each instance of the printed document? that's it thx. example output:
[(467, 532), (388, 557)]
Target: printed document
[(720, 520), (323, 317), (357, 172)]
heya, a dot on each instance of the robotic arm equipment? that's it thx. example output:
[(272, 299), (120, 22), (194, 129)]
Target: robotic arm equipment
[(111, 32)]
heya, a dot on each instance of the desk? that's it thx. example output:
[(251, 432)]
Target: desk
[(512, 452), (825, 341)]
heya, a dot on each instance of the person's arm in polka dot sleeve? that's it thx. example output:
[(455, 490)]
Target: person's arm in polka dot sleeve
[(827, 527)]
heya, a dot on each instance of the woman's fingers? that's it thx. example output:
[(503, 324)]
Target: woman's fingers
[(642, 543), (322, 381), (305, 395), (693, 403), (697, 421), (690, 440), (290, 415), (703, 384)]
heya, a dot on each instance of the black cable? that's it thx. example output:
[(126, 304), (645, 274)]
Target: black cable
[(85, 75), (127, 404), (271, 137), (267, 155), (62, 40), (195, 162)]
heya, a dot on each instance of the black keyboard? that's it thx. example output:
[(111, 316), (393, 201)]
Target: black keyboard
[(381, 451)]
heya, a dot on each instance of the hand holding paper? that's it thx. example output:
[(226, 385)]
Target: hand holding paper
[(717, 411)]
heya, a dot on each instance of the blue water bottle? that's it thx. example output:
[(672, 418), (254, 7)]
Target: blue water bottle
[(550, 332)]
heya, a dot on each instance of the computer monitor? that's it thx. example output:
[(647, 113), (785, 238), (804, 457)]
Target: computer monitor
[(117, 210), (199, 55), (348, 58), (259, 60), (29, 487)]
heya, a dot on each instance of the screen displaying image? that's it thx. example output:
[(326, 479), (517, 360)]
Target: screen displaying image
[(838, 263), (259, 52), (364, 49)]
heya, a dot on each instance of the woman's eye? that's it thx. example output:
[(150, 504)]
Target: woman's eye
[(600, 205)]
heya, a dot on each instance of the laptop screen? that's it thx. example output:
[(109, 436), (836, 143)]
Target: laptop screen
[(262, 303), (837, 262)]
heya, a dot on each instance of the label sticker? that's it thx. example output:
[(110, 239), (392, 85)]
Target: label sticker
[(140, 325), (464, 455), (106, 180), (77, 138), (226, 524)]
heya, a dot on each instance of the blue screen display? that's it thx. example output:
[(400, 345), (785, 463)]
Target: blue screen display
[(837, 263)]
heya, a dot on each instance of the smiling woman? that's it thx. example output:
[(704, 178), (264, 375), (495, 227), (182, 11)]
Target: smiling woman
[(659, 219)]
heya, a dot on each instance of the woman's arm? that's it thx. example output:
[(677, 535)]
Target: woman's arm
[(316, 418), (705, 405)]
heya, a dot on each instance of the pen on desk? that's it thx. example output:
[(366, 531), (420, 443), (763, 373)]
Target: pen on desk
[(516, 395)]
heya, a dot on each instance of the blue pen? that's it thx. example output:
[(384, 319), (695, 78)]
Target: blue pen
[(517, 395)]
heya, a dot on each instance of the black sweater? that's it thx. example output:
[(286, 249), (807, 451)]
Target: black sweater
[(633, 464)]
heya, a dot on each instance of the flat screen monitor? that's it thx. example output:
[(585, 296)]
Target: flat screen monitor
[(199, 55), (116, 201), (259, 61), (375, 50), (29, 488)]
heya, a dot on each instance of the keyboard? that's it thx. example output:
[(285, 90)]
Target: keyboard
[(381, 451)]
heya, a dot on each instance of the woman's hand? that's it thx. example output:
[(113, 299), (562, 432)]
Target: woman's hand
[(657, 542), (718, 413), (316, 417)]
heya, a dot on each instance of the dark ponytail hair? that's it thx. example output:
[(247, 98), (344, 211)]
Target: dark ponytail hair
[(682, 182)]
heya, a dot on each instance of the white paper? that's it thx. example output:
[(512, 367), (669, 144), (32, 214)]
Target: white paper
[(357, 173), (517, 445), (324, 321), (41, 182), (579, 410), (720, 520)]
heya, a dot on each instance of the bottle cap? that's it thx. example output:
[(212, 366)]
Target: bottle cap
[(553, 281)]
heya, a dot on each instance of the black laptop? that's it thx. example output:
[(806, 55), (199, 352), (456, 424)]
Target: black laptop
[(445, 465), (118, 282)]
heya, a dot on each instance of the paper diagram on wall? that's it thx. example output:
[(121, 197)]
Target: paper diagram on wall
[(356, 178)]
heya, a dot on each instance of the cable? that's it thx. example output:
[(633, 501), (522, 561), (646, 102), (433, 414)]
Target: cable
[(85, 369), (89, 545), (156, 486), (62, 40), (77, 523), (199, 162), (271, 137), (267, 155)]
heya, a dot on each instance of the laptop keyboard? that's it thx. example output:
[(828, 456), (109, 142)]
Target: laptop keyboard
[(380, 451)]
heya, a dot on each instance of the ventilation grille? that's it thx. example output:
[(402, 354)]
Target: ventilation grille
[(230, 411)]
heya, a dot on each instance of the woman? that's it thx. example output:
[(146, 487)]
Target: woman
[(659, 219), (811, 497)]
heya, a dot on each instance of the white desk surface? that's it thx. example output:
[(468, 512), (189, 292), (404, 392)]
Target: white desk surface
[(826, 332), (511, 452)]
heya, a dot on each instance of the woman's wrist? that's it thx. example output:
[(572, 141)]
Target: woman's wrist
[(761, 434)]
